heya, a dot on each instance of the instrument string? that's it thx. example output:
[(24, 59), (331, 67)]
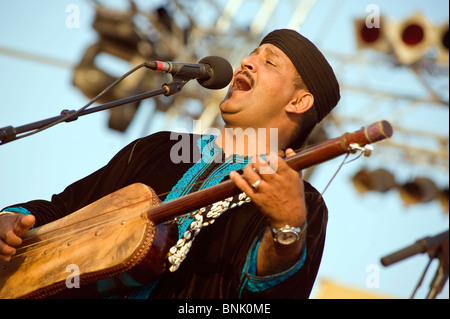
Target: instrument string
[(67, 236), (79, 231), (339, 168)]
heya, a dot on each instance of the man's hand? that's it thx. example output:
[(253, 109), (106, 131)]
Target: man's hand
[(12, 226), (280, 196), (280, 192)]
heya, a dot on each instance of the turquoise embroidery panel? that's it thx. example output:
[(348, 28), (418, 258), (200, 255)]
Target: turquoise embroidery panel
[(210, 154)]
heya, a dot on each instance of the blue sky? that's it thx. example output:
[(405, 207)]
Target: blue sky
[(361, 229)]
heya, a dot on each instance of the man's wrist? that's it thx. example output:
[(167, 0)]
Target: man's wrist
[(287, 234), (17, 209)]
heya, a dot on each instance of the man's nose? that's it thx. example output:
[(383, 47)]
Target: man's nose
[(249, 64)]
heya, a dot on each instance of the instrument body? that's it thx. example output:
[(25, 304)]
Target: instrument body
[(108, 237), (129, 232)]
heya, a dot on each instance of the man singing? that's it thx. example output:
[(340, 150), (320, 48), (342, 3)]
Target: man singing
[(267, 246)]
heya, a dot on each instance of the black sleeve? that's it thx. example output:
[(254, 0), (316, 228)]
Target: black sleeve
[(102, 182)]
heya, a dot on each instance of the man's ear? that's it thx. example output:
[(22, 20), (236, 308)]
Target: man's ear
[(301, 103)]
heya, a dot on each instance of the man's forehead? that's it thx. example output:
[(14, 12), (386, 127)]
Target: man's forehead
[(269, 49), (274, 52)]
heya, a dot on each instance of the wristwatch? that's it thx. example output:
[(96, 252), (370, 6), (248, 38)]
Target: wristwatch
[(287, 235)]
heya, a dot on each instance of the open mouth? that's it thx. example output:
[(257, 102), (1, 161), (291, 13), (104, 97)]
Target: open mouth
[(242, 83)]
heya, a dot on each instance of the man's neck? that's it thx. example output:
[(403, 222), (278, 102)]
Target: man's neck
[(248, 142)]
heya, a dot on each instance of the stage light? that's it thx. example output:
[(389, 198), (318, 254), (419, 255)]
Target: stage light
[(441, 33), (444, 199), (371, 36), (91, 80), (118, 38), (420, 190), (379, 180), (117, 27), (413, 34), (411, 39)]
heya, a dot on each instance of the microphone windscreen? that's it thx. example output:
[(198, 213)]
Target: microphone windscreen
[(221, 76)]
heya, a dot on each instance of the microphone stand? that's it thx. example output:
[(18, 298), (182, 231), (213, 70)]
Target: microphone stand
[(437, 247), (10, 133), (440, 278)]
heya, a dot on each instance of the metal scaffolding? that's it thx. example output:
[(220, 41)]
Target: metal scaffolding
[(233, 28)]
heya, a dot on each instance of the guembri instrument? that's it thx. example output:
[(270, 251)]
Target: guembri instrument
[(126, 236)]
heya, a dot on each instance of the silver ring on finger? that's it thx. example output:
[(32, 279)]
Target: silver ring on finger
[(256, 184)]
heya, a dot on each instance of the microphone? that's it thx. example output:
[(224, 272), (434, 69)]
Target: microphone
[(212, 72)]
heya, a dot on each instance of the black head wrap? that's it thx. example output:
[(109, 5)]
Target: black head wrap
[(312, 66)]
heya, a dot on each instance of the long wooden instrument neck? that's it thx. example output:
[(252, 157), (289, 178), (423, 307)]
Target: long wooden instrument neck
[(313, 155)]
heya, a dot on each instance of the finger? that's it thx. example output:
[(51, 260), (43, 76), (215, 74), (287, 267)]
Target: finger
[(6, 250), (290, 152), (241, 183), (5, 258), (253, 178), (25, 223), (12, 239), (280, 165), (266, 167), (251, 173)]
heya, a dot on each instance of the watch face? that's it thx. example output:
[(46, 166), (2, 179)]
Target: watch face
[(286, 238)]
